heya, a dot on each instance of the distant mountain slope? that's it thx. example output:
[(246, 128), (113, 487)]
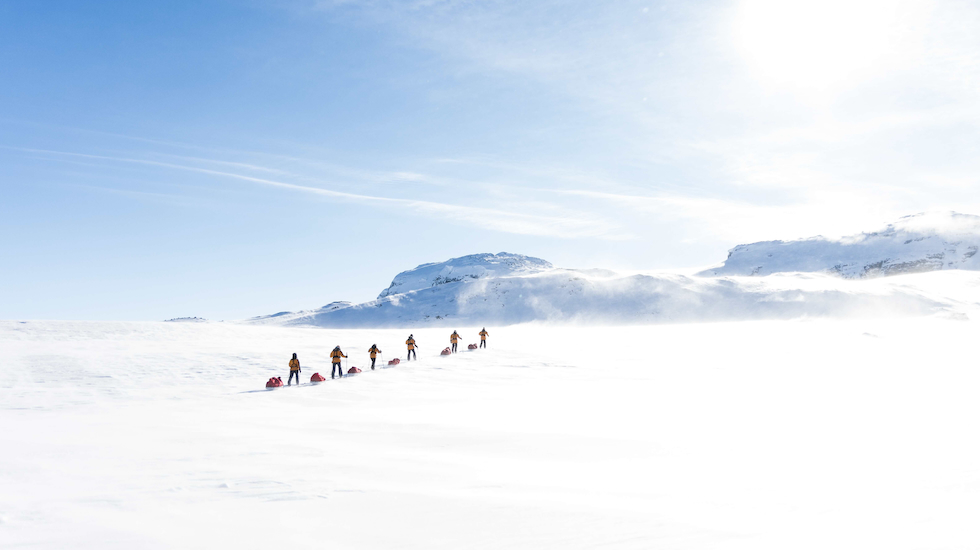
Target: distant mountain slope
[(503, 289), (474, 266), (570, 296), (913, 244)]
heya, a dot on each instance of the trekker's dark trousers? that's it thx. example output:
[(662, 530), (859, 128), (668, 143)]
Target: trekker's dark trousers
[(483, 343), (337, 369), (293, 373), (372, 362), (411, 353), (454, 348)]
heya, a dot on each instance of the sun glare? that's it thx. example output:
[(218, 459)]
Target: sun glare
[(815, 46)]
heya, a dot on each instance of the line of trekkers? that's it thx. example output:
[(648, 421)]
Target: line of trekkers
[(337, 354)]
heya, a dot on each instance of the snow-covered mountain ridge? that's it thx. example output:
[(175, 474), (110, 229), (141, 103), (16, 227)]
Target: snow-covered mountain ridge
[(472, 267), (504, 289), (914, 244)]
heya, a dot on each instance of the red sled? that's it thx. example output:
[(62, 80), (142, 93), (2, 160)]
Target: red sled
[(446, 351), (274, 382), (316, 377), (353, 370), (394, 361), (472, 346)]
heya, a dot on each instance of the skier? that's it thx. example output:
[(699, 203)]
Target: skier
[(374, 351), (454, 339), (335, 356), (483, 337), (411, 348), (294, 370)]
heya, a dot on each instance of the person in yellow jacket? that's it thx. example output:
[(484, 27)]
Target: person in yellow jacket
[(335, 356), (374, 351), (483, 337), (411, 348), (454, 339), (294, 370)]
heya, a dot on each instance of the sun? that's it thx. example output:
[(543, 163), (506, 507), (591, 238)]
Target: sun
[(816, 46)]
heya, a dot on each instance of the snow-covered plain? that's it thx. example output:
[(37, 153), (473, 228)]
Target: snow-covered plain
[(807, 433)]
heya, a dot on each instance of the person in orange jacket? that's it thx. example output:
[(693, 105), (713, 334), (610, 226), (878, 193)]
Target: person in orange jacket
[(374, 351), (483, 337), (335, 356), (454, 339), (294, 370), (411, 348)]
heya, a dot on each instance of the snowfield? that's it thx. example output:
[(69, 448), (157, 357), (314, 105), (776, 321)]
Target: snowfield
[(806, 433)]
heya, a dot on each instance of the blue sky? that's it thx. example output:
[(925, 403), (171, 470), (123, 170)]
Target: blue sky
[(229, 159)]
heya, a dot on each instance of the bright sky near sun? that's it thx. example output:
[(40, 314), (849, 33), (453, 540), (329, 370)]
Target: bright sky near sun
[(227, 159)]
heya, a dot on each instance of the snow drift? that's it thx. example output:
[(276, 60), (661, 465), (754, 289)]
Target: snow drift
[(913, 244)]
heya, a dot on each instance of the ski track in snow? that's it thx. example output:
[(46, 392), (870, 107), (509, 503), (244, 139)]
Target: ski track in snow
[(749, 435)]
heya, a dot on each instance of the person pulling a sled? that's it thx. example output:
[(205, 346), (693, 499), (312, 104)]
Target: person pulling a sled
[(374, 351), (335, 356), (483, 337), (411, 348), (454, 339), (294, 370)]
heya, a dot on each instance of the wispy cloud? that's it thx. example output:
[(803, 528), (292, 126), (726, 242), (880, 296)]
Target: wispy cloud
[(676, 122), (168, 198), (561, 226), (230, 164), (871, 110)]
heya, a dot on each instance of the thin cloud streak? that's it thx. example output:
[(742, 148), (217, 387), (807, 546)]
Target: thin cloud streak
[(243, 165), (487, 218), (167, 198)]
